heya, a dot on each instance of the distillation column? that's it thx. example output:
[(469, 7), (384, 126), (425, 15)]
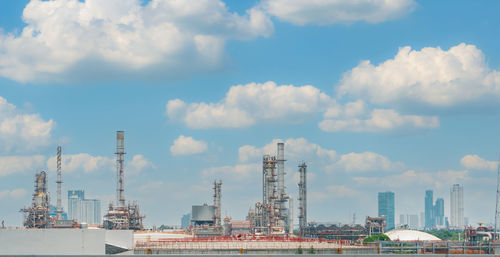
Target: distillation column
[(302, 197), (217, 203), (59, 184), (120, 151)]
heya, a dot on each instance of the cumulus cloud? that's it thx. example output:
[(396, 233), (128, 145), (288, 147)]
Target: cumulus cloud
[(138, 164), (245, 105), (431, 77), (411, 178), (16, 193), (379, 120), (320, 12), (89, 163), (367, 161), (81, 162), (295, 148), (474, 162), (164, 38), (187, 145), (237, 172), (310, 176), (19, 164), (340, 191), (22, 132)]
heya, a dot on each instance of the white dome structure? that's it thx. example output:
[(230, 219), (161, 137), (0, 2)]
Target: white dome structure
[(410, 235)]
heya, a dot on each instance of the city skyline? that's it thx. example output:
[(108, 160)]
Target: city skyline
[(388, 97)]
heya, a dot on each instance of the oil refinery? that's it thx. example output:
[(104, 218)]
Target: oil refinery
[(268, 227)]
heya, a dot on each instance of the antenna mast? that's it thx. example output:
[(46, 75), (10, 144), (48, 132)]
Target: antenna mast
[(495, 236), (59, 183)]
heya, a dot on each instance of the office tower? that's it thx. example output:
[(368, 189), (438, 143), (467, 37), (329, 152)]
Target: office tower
[(429, 206), (402, 220), (439, 212), (83, 210), (386, 208), (185, 220), (422, 220), (413, 221), (457, 206)]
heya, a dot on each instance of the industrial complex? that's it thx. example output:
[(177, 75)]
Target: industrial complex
[(267, 229)]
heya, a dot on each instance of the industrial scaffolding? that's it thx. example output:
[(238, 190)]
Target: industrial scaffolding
[(121, 216), (271, 216), (37, 216)]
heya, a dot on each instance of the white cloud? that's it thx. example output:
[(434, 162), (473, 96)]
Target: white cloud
[(22, 132), (378, 120), (298, 149), (295, 148), (245, 105), (238, 172), (138, 164), (163, 37), (474, 162), (18, 164), (340, 191), (411, 178), (367, 161), (431, 76), (16, 193), (324, 12), (81, 162), (187, 145), (89, 163), (310, 176)]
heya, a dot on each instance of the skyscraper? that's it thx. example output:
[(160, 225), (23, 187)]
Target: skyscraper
[(386, 208), (413, 221), (185, 220), (439, 212), (457, 206), (83, 210), (429, 206)]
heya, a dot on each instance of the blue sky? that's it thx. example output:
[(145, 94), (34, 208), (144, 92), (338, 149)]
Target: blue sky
[(204, 88)]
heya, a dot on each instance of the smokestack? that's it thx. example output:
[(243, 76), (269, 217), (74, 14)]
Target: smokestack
[(303, 197), (120, 151)]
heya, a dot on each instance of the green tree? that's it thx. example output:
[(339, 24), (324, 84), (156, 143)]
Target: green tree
[(376, 238)]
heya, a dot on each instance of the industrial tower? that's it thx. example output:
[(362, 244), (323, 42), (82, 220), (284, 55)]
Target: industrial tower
[(497, 203), (59, 184), (120, 151), (302, 197), (217, 204), (37, 216), (121, 216), (271, 216)]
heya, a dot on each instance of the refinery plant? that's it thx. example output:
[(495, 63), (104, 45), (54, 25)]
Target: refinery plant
[(267, 229)]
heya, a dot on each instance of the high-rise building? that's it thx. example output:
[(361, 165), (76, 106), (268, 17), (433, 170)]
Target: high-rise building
[(402, 220), (386, 208), (413, 221), (429, 206), (83, 210), (186, 220), (439, 212), (457, 206), (422, 220)]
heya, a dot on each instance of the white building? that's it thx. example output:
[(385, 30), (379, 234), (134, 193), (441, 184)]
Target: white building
[(457, 206)]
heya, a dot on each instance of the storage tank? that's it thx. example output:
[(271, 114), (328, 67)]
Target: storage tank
[(203, 214)]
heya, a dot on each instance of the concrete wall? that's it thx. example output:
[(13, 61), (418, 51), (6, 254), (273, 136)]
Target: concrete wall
[(52, 241), (120, 238)]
